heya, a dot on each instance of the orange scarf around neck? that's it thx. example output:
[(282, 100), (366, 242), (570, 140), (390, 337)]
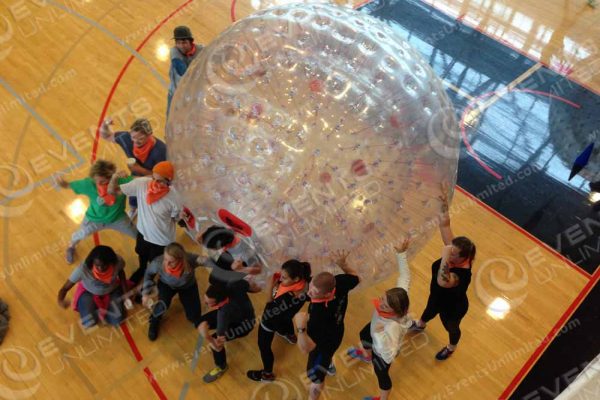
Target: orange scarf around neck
[(175, 271), (142, 152), (109, 199), (384, 314), (325, 300), (294, 287), (156, 191), (104, 276)]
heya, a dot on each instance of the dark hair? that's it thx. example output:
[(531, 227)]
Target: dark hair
[(297, 269), (215, 237), (217, 292), (106, 255), (466, 247), (103, 168), (324, 281), (397, 299)]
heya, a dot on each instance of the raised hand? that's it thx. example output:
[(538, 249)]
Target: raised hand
[(339, 257), (403, 246)]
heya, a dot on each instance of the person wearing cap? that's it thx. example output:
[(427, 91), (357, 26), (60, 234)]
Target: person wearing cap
[(159, 209), (182, 55), (142, 148)]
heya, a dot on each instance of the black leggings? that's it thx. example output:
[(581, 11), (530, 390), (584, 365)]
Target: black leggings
[(234, 331), (381, 368), (265, 339), (450, 316)]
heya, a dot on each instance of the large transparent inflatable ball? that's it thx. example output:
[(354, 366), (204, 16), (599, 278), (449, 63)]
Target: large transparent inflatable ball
[(311, 128)]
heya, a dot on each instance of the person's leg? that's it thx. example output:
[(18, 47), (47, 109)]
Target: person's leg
[(431, 310), (125, 226), (265, 340), (366, 341), (115, 313), (88, 310), (165, 295), (85, 229), (141, 249), (316, 370), (451, 322), (382, 370), (190, 300)]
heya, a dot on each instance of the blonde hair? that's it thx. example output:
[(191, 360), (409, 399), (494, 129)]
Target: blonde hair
[(177, 251), (141, 125)]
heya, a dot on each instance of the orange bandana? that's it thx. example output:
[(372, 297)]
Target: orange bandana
[(142, 153), (221, 304), (324, 299), (109, 199), (381, 313), (155, 191), (294, 287), (104, 277), (176, 271), (461, 265), (192, 51)]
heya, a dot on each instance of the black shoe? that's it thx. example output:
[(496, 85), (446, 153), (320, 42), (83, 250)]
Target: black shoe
[(596, 206), (444, 353), (595, 186), (137, 298), (260, 376), (153, 330)]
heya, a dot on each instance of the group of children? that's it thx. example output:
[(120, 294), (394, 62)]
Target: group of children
[(103, 292)]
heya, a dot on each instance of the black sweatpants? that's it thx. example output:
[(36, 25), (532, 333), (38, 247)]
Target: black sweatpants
[(382, 369), (146, 252), (189, 297)]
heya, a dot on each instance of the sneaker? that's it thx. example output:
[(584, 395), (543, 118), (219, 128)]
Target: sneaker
[(444, 353), (153, 330), (260, 375), (372, 398), (358, 354), (291, 339), (214, 374), (70, 255), (415, 328), (331, 371)]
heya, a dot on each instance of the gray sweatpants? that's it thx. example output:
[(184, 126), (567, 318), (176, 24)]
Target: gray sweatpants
[(123, 225)]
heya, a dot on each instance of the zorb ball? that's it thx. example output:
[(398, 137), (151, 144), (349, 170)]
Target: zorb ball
[(311, 128)]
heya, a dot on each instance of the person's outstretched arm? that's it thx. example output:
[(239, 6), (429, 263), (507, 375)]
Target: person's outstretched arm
[(445, 229), (403, 267)]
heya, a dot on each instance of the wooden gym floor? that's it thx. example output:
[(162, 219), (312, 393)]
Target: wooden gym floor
[(66, 63)]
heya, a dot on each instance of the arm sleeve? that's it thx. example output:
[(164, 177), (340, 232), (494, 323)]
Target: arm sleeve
[(76, 274), (123, 139), (404, 270), (130, 189), (149, 275), (192, 259), (178, 66), (78, 186), (238, 286), (122, 181), (345, 283)]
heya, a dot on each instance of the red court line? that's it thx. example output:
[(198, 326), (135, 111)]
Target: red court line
[(524, 232), (504, 42), (136, 352), (232, 10), (550, 336)]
